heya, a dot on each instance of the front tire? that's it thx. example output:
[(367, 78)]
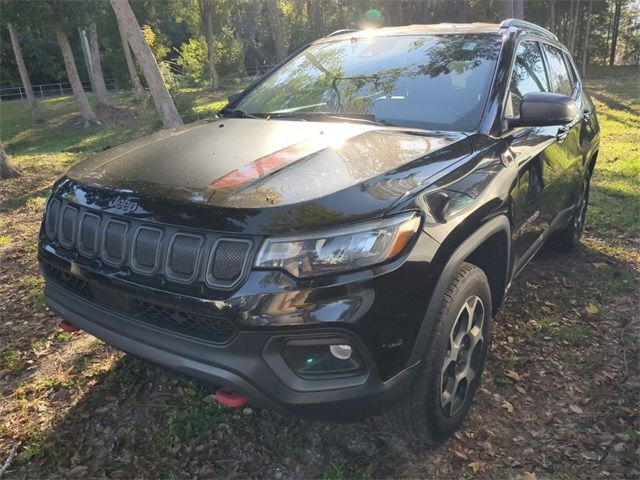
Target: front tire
[(449, 373)]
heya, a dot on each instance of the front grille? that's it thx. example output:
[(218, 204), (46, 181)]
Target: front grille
[(227, 262), (68, 226), (144, 257), (113, 251), (184, 251), (51, 222), (217, 330), (185, 258), (88, 241), (213, 329)]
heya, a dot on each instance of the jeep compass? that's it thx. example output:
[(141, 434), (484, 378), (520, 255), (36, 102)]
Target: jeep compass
[(336, 242)]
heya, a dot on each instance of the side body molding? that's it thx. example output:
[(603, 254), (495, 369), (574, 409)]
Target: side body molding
[(496, 225)]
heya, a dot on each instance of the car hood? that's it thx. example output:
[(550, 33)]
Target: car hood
[(248, 164)]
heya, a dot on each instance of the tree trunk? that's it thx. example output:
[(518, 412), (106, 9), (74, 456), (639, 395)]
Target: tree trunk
[(135, 81), (207, 12), (163, 101), (98, 79), (518, 9), (394, 13), (24, 76), (552, 16), (506, 9), (277, 34), (585, 44), (574, 26), (72, 72), (314, 18), (463, 11), (6, 169), (614, 32)]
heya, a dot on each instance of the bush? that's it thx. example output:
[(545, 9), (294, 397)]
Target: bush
[(193, 58)]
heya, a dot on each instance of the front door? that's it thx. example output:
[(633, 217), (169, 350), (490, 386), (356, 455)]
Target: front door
[(563, 162), (533, 149)]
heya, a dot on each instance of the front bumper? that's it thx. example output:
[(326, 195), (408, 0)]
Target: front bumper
[(242, 364)]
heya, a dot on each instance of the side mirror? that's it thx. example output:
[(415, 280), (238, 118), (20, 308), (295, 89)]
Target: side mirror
[(544, 109), (233, 97)]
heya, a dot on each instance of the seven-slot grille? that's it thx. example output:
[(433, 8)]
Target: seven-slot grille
[(179, 255)]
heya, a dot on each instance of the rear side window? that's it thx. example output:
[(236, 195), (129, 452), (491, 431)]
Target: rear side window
[(528, 76), (560, 79), (573, 75)]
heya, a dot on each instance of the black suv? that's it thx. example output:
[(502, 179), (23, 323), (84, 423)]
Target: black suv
[(337, 240)]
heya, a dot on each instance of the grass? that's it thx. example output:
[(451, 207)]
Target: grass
[(615, 198), (62, 140)]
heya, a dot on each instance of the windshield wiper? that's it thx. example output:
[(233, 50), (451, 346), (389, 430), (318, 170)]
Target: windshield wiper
[(236, 113), (331, 116)]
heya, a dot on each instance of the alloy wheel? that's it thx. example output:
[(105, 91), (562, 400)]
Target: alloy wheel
[(463, 356)]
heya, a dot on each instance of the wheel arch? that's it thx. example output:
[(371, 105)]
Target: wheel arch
[(489, 248)]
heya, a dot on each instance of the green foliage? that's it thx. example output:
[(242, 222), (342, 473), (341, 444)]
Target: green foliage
[(158, 48), (229, 53), (193, 60), (243, 34)]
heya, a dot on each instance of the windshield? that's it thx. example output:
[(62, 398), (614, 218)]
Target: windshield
[(429, 81)]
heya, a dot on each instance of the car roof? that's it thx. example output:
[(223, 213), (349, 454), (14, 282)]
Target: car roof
[(433, 29), (440, 29)]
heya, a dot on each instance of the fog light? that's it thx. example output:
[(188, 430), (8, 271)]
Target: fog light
[(341, 352), (322, 358)]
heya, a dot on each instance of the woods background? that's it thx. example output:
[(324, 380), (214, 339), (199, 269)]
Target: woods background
[(245, 36)]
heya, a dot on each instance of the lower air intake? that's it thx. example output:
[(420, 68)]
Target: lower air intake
[(216, 330)]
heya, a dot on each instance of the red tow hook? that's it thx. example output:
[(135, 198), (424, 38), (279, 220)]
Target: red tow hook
[(230, 398), (68, 327)]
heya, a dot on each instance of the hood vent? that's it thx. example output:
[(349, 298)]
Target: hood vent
[(182, 257)]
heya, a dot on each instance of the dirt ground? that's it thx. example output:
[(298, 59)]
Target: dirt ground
[(559, 397)]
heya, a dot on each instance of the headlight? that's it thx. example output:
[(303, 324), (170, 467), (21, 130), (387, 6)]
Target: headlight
[(342, 249)]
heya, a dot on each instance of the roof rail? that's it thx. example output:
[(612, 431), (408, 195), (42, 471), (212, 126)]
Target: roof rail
[(340, 32), (516, 22)]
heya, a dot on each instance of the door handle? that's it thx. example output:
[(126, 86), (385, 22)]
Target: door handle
[(586, 113), (562, 133)]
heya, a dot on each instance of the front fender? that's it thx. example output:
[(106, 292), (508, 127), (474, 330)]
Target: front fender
[(497, 225)]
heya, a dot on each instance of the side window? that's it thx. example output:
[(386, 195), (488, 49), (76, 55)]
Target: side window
[(573, 74), (560, 79), (527, 76)]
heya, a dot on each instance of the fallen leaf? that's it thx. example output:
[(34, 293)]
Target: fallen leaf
[(592, 309), (589, 455), (528, 476), (460, 455), (600, 264), (576, 409), (507, 406), (477, 466), (513, 375)]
